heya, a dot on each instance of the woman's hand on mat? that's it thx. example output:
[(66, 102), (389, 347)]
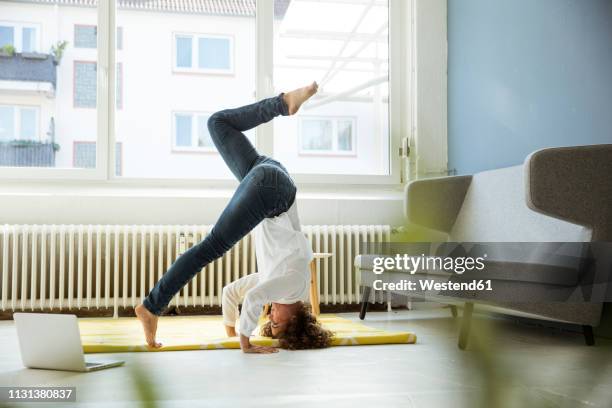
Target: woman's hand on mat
[(247, 347), (254, 349)]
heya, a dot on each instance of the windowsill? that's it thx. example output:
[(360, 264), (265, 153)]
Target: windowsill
[(309, 193)]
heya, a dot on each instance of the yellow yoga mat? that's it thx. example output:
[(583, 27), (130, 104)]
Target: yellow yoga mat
[(107, 335)]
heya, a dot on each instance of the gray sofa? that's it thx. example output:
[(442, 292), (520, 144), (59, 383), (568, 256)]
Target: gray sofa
[(557, 195)]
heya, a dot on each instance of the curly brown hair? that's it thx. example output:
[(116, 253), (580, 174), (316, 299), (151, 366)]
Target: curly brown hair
[(303, 332)]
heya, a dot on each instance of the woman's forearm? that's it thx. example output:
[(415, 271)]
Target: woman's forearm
[(230, 331), (245, 343)]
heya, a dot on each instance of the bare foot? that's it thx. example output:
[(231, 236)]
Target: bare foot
[(297, 97), (149, 324)]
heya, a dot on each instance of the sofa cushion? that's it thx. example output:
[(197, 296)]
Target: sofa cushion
[(495, 210)]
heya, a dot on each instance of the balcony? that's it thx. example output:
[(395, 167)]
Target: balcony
[(28, 73), (27, 153)]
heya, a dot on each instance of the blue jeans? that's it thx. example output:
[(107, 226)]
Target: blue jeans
[(265, 190)]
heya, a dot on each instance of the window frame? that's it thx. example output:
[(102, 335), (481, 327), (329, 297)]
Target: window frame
[(403, 61), (17, 120), (195, 53), (334, 151), (398, 103), (18, 27), (194, 134)]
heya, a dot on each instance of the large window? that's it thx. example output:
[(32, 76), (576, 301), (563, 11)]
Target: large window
[(182, 64), (204, 53), (47, 100), (344, 129), (22, 36)]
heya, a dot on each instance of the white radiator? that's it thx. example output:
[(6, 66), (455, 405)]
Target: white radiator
[(113, 266)]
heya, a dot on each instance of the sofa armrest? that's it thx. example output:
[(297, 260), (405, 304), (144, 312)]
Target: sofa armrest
[(435, 203), (573, 184)]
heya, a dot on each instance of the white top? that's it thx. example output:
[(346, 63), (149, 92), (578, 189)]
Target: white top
[(283, 254)]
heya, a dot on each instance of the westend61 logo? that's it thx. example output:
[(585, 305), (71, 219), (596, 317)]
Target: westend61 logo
[(412, 264)]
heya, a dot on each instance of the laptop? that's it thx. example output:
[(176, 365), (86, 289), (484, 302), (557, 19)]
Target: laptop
[(53, 341)]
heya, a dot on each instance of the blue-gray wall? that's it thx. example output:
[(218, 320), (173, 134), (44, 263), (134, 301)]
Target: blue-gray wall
[(526, 74)]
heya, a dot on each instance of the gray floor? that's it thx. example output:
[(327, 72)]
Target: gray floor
[(508, 365)]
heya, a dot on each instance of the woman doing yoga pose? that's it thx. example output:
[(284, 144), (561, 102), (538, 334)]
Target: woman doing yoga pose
[(264, 203)]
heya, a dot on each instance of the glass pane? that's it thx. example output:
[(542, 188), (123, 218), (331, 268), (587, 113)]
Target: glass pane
[(316, 134), (167, 98), (7, 123), (28, 124), (183, 52), (54, 96), (204, 139), (183, 130), (346, 52), (7, 36), (28, 40), (345, 135), (214, 53)]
